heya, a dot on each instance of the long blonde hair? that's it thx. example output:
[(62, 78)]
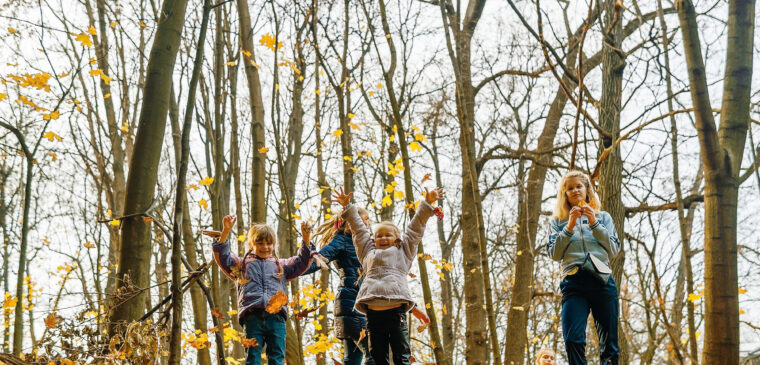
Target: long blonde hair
[(562, 209), (264, 232), (333, 225)]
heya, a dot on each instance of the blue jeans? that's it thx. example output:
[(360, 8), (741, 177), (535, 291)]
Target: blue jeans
[(354, 352), (267, 329), (582, 293)]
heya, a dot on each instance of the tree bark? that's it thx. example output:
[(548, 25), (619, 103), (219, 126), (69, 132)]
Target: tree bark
[(721, 152), (134, 259)]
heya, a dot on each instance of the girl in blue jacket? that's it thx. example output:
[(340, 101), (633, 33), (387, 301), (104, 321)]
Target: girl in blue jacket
[(260, 275), (583, 238)]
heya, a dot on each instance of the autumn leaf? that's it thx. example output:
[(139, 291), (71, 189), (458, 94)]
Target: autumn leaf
[(53, 156), (52, 136), (237, 273), (387, 201), (89, 244), (276, 302), (11, 30), (379, 86), (249, 342), (742, 291), (52, 320), (203, 204), (267, 40), (350, 115), (414, 146), (113, 24), (302, 314), (420, 137), (207, 181), (3, 96), (421, 328), (412, 275), (147, 219), (362, 334), (84, 39), (91, 30), (114, 222), (142, 25), (426, 178), (263, 150), (216, 313), (231, 63), (193, 186), (51, 116), (337, 133)]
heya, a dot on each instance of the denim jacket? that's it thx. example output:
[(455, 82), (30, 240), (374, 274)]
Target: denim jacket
[(567, 247)]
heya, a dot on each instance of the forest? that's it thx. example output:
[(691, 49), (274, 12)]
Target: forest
[(129, 129)]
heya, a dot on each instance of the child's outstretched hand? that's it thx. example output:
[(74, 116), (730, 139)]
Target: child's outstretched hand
[(228, 222), (306, 232), (341, 198), (432, 196)]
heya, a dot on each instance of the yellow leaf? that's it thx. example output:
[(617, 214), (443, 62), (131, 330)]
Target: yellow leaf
[(91, 30), (141, 24), (241, 238), (350, 115), (203, 204), (388, 36), (52, 115), (89, 245), (114, 222), (125, 127), (742, 291), (53, 156), (694, 297), (371, 93), (379, 86), (414, 146), (347, 158), (263, 150), (420, 137), (337, 132), (113, 24), (231, 63), (51, 136), (245, 53), (387, 201), (11, 30), (207, 181), (3, 96), (84, 39), (193, 186), (268, 41), (106, 96), (51, 321)]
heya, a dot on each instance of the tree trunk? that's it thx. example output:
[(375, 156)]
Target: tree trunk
[(721, 152), (134, 259), (258, 166)]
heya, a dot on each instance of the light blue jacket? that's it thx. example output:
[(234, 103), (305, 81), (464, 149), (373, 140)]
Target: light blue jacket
[(567, 247)]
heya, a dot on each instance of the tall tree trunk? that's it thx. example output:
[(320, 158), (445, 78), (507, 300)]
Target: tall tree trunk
[(258, 184), (722, 153), (611, 171), (134, 258)]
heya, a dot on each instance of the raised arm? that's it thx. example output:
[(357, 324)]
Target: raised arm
[(224, 258), (296, 265), (604, 232), (359, 233), (329, 252), (413, 233)]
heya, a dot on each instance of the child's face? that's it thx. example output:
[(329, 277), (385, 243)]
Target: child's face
[(263, 248), (575, 190), (547, 358), (385, 237)]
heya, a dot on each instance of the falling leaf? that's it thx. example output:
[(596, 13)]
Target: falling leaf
[(193, 186), (113, 24), (302, 314), (420, 137), (147, 219), (11, 30), (379, 86), (426, 178), (216, 313), (91, 30), (53, 156), (203, 204), (742, 291), (350, 115), (51, 116), (106, 96), (276, 302), (387, 201), (249, 342), (263, 150), (694, 297), (412, 275), (141, 24), (268, 41), (421, 328), (338, 132), (362, 334), (51, 136), (207, 181), (84, 39), (114, 222), (521, 309), (52, 320), (3, 96), (125, 127), (89, 244), (231, 63)]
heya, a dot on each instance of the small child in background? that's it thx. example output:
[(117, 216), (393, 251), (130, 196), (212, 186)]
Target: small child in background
[(384, 295), (261, 279)]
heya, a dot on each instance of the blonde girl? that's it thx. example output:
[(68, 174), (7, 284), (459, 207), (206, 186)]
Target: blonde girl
[(260, 276), (583, 238)]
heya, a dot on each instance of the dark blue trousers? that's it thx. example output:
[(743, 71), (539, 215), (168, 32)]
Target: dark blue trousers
[(268, 330), (355, 351), (581, 294)]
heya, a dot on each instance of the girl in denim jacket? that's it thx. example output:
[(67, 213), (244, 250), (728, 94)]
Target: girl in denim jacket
[(260, 276), (578, 222)]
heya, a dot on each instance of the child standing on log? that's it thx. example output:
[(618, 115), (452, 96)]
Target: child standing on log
[(384, 295), (261, 279)]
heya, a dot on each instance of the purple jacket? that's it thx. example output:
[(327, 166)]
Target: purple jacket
[(256, 278)]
